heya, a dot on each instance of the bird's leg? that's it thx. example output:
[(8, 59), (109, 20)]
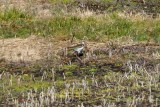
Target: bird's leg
[(79, 59)]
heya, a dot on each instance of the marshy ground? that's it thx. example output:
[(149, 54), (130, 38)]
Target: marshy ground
[(120, 68)]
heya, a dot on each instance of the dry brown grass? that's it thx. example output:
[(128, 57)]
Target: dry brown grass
[(39, 8), (27, 50), (139, 16)]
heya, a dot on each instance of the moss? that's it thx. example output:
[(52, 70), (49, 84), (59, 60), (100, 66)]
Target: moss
[(110, 98), (93, 70), (69, 67), (59, 83), (129, 98), (107, 90), (68, 73), (19, 89), (26, 77), (119, 64), (60, 1)]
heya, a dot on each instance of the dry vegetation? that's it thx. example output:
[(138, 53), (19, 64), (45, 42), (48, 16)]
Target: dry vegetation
[(24, 50)]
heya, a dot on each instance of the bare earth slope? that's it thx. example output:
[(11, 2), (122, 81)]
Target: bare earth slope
[(27, 50)]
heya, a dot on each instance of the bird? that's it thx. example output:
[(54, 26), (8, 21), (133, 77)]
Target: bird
[(76, 52), (79, 51)]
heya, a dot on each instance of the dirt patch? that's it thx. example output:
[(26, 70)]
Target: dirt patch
[(24, 50)]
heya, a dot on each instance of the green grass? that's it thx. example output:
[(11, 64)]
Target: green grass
[(13, 14), (15, 23), (60, 1)]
